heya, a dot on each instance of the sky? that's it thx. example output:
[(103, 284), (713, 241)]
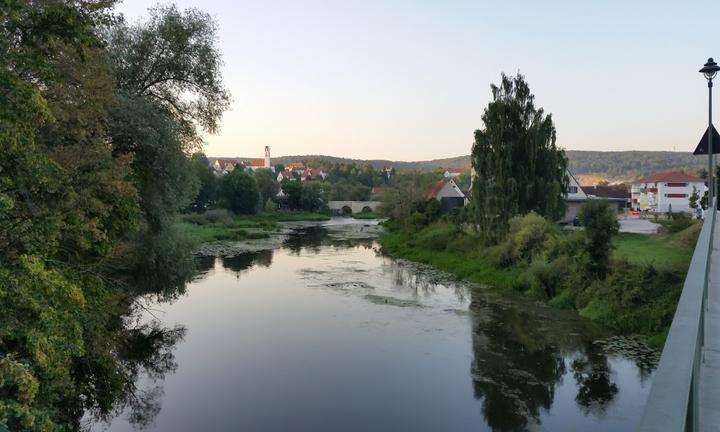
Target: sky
[(409, 80)]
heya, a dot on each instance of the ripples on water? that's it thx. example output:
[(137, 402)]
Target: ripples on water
[(326, 334)]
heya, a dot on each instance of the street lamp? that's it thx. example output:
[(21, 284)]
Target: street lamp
[(710, 69)]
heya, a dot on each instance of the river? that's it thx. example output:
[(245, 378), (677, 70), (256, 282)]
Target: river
[(326, 334)]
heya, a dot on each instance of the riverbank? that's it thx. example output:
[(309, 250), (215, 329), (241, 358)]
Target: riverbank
[(638, 296), (217, 225)]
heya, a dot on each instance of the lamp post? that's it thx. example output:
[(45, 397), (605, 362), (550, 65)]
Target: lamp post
[(710, 69)]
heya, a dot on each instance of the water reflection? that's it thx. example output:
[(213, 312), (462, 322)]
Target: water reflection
[(594, 380), (515, 367), (335, 331)]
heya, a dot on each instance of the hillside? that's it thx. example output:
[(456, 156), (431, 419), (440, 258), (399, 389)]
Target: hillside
[(594, 166)]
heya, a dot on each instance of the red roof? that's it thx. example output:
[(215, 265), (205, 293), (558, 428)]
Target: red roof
[(376, 189), (434, 189), (223, 162), (255, 162), (670, 176), (286, 174)]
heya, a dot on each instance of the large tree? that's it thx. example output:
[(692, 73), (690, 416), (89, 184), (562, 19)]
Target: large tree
[(170, 91), (517, 164)]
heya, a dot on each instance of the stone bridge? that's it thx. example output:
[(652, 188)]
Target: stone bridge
[(348, 207)]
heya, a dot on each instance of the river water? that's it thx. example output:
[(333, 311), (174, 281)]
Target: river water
[(327, 334)]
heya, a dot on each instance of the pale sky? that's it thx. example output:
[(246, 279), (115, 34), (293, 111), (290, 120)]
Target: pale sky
[(409, 80)]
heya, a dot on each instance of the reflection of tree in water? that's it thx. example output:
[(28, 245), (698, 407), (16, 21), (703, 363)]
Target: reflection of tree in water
[(593, 376), (118, 358), (244, 261), (514, 370), (519, 357), (310, 238), (120, 347), (423, 282)]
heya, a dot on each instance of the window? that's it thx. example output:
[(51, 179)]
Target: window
[(676, 184), (675, 195), (573, 189)]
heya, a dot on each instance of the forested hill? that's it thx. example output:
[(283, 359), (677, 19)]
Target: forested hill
[(615, 165)]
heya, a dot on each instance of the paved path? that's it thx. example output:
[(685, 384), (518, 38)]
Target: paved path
[(637, 225), (709, 409)]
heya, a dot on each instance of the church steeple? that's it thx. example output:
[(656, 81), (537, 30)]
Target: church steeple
[(267, 156)]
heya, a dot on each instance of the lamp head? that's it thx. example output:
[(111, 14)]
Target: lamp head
[(710, 69)]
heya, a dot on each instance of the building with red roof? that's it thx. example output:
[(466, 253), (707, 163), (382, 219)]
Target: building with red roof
[(665, 191), (447, 192)]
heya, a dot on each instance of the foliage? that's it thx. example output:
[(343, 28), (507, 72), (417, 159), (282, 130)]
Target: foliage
[(311, 197), (239, 192), (172, 59), (208, 186), (519, 168), (267, 186), (637, 294), (401, 198), (293, 193), (601, 224), (694, 198), (88, 152), (347, 190)]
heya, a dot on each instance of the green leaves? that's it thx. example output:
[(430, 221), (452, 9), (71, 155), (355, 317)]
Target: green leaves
[(518, 167)]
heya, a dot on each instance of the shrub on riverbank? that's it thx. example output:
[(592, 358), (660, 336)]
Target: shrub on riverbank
[(638, 294)]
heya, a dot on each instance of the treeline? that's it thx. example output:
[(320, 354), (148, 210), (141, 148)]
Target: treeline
[(97, 117), (611, 164), (246, 191)]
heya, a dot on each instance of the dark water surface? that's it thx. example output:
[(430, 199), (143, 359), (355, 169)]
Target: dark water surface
[(326, 334)]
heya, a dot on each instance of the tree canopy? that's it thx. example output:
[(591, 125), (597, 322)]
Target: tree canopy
[(518, 167)]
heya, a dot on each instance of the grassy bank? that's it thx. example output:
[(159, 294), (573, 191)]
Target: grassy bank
[(216, 225), (638, 296), (366, 215)]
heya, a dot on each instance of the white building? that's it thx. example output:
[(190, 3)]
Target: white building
[(663, 192), (448, 193), (575, 196), (453, 172)]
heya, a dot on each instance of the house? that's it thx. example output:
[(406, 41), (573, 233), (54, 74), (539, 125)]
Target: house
[(575, 197), (297, 167), (388, 171), (618, 195), (666, 191), (254, 164), (313, 174), (453, 172), (447, 192), (285, 175), (223, 165)]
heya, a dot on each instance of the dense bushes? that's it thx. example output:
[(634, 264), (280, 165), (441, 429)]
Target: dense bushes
[(552, 265)]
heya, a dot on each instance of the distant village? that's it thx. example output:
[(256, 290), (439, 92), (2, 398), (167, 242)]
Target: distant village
[(657, 193)]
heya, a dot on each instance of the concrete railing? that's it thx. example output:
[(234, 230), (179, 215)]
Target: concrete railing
[(672, 404)]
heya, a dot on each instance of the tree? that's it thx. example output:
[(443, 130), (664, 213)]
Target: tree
[(311, 197), (293, 191), (601, 225), (167, 71), (267, 184), (207, 192), (519, 168), (173, 59), (239, 192), (399, 200)]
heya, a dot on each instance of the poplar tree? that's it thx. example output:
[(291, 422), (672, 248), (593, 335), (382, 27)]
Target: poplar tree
[(518, 166)]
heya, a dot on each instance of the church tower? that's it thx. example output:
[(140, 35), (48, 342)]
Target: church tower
[(267, 156)]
